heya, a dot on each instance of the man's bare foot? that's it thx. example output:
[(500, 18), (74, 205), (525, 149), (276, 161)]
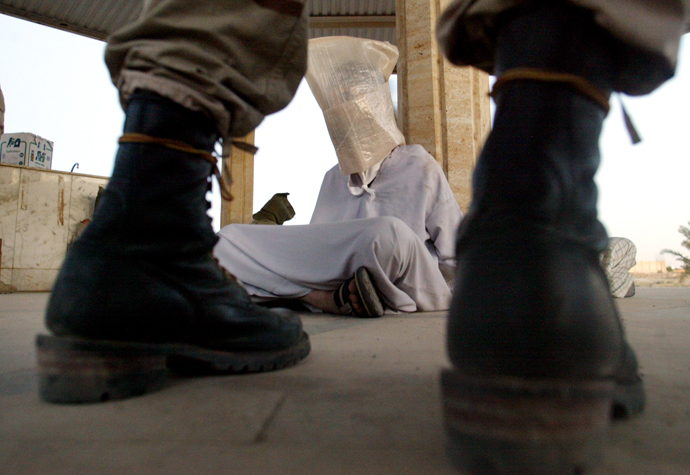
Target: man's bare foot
[(324, 300)]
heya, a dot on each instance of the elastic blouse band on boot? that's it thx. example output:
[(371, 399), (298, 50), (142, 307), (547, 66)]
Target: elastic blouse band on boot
[(183, 147), (580, 84)]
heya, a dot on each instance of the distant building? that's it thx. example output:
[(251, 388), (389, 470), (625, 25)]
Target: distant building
[(649, 267)]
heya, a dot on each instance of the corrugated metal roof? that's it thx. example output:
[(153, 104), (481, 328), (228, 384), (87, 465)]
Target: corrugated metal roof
[(351, 7), (97, 19), (381, 34)]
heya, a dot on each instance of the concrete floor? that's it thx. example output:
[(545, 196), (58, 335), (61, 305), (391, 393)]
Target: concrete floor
[(366, 401)]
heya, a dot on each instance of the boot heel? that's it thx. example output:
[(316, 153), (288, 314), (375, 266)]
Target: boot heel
[(76, 370), (502, 425)]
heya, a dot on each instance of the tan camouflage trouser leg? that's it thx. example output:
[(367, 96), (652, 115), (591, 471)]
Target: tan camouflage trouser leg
[(236, 60), (466, 31)]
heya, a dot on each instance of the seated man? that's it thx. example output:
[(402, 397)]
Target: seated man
[(386, 207)]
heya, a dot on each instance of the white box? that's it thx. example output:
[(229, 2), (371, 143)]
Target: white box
[(26, 149)]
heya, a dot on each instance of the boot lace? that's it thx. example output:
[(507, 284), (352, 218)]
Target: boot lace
[(202, 154), (580, 84)]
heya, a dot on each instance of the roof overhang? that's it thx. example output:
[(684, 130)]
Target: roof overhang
[(97, 19)]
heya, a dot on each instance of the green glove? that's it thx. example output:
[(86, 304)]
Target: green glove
[(276, 211)]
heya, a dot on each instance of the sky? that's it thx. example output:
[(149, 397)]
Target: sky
[(56, 86)]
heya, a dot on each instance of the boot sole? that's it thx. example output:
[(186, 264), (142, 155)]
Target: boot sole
[(502, 425), (80, 370)]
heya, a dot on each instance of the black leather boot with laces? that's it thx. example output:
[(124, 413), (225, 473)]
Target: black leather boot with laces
[(535, 341), (140, 288)]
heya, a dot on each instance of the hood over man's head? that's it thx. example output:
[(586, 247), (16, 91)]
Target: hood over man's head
[(349, 78)]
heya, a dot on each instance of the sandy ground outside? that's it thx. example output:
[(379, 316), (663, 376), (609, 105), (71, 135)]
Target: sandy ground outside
[(661, 279)]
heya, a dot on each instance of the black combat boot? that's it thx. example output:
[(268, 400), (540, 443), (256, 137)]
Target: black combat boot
[(536, 344), (141, 287)]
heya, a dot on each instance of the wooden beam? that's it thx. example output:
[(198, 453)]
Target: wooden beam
[(238, 168), (443, 108)]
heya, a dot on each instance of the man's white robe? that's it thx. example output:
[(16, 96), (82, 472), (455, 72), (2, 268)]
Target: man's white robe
[(403, 233)]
